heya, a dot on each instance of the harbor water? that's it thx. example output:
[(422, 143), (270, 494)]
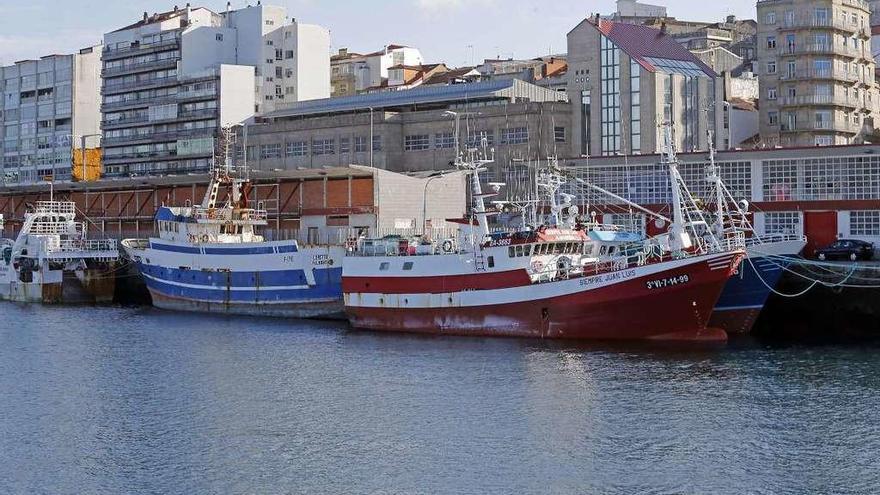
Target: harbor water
[(136, 400)]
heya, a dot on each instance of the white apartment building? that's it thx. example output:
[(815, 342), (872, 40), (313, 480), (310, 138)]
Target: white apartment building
[(352, 72), (48, 106), (171, 80)]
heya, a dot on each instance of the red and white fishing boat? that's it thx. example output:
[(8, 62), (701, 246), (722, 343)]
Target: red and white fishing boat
[(568, 281)]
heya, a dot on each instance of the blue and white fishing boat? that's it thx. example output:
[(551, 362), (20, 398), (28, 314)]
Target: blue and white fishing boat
[(211, 258), (767, 257)]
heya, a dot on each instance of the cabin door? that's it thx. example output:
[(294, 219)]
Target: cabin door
[(820, 227)]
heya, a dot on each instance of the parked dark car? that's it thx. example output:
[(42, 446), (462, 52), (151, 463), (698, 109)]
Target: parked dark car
[(847, 249)]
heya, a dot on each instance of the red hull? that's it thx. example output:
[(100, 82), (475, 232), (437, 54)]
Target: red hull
[(735, 321), (626, 310)]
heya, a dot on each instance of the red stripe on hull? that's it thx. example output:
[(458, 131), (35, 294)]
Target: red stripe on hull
[(626, 310), (735, 321), (436, 285)]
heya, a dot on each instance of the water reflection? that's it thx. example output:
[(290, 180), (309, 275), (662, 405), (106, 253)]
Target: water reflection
[(137, 400)]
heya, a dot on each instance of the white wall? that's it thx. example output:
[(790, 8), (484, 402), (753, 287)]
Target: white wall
[(236, 83), (744, 124), (86, 92), (312, 62), (206, 48)]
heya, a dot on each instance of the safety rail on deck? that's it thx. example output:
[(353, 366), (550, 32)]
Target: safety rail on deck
[(224, 215), (55, 207)]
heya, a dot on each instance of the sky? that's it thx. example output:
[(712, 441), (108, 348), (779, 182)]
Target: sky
[(457, 32)]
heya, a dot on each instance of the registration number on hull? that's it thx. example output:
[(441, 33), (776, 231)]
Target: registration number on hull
[(668, 282)]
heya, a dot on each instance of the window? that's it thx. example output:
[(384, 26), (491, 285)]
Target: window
[(610, 86), (770, 18), (323, 147), (384, 266), (491, 262), (785, 222), (408, 266), (377, 143), (476, 139), (864, 223), (344, 145), (771, 42), (773, 118), (279, 54), (360, 144), (416, 142), (279, 71), (635, 108), (515, 135), (288, 54), (771, 67), (219, 37), (268, 151), (444, 140), (559, 134), (297, 148), (771, 93)]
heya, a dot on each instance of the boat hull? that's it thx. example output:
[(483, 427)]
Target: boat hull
[(270, 279), (332, 309), (745, 294), (93, 285), (631, 307)]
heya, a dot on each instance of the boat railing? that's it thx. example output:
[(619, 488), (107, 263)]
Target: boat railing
[(225, 214), (55, 207), (768, 238)]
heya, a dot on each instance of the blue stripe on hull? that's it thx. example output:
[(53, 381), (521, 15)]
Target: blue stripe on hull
[(215, 288), (222, 280), (746, 289)]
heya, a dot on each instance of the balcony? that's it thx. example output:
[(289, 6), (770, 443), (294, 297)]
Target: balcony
[(824, 126), (158, 137), (140, 102), (816, 23), (138, 49), (112, 124), (820, 49), (807, 74), (820, 100), (156, 82), (168, 63)]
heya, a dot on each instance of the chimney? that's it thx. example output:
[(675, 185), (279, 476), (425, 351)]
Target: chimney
[(175, 9), (146, 16), (663, 27), (731, 19), (228, 7)]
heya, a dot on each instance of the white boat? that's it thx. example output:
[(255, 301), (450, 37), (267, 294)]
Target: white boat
[(210, 258), (52, 260)]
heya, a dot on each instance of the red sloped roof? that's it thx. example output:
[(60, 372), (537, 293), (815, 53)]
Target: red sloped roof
[(642, 41)]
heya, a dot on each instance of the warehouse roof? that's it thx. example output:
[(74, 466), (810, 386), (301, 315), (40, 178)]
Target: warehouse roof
[(423, 95)]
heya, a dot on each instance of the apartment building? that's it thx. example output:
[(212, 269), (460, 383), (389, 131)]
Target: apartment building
[(48, 109), (171, 80), (352, 73), (816, 72), (626, 80)]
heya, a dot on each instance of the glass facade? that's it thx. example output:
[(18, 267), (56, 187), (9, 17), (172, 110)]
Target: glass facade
[(610, 94)]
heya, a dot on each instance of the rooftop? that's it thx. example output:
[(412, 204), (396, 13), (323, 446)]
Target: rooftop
[(652, 49), (423, 95)]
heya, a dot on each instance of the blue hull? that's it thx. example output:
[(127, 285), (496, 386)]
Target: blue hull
[(267, 279), (746, 293)]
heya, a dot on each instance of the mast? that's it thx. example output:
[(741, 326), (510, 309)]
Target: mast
[(676, 229), (714, 176)]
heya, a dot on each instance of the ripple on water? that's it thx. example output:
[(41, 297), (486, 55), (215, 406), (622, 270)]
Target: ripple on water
[(123, 400)]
